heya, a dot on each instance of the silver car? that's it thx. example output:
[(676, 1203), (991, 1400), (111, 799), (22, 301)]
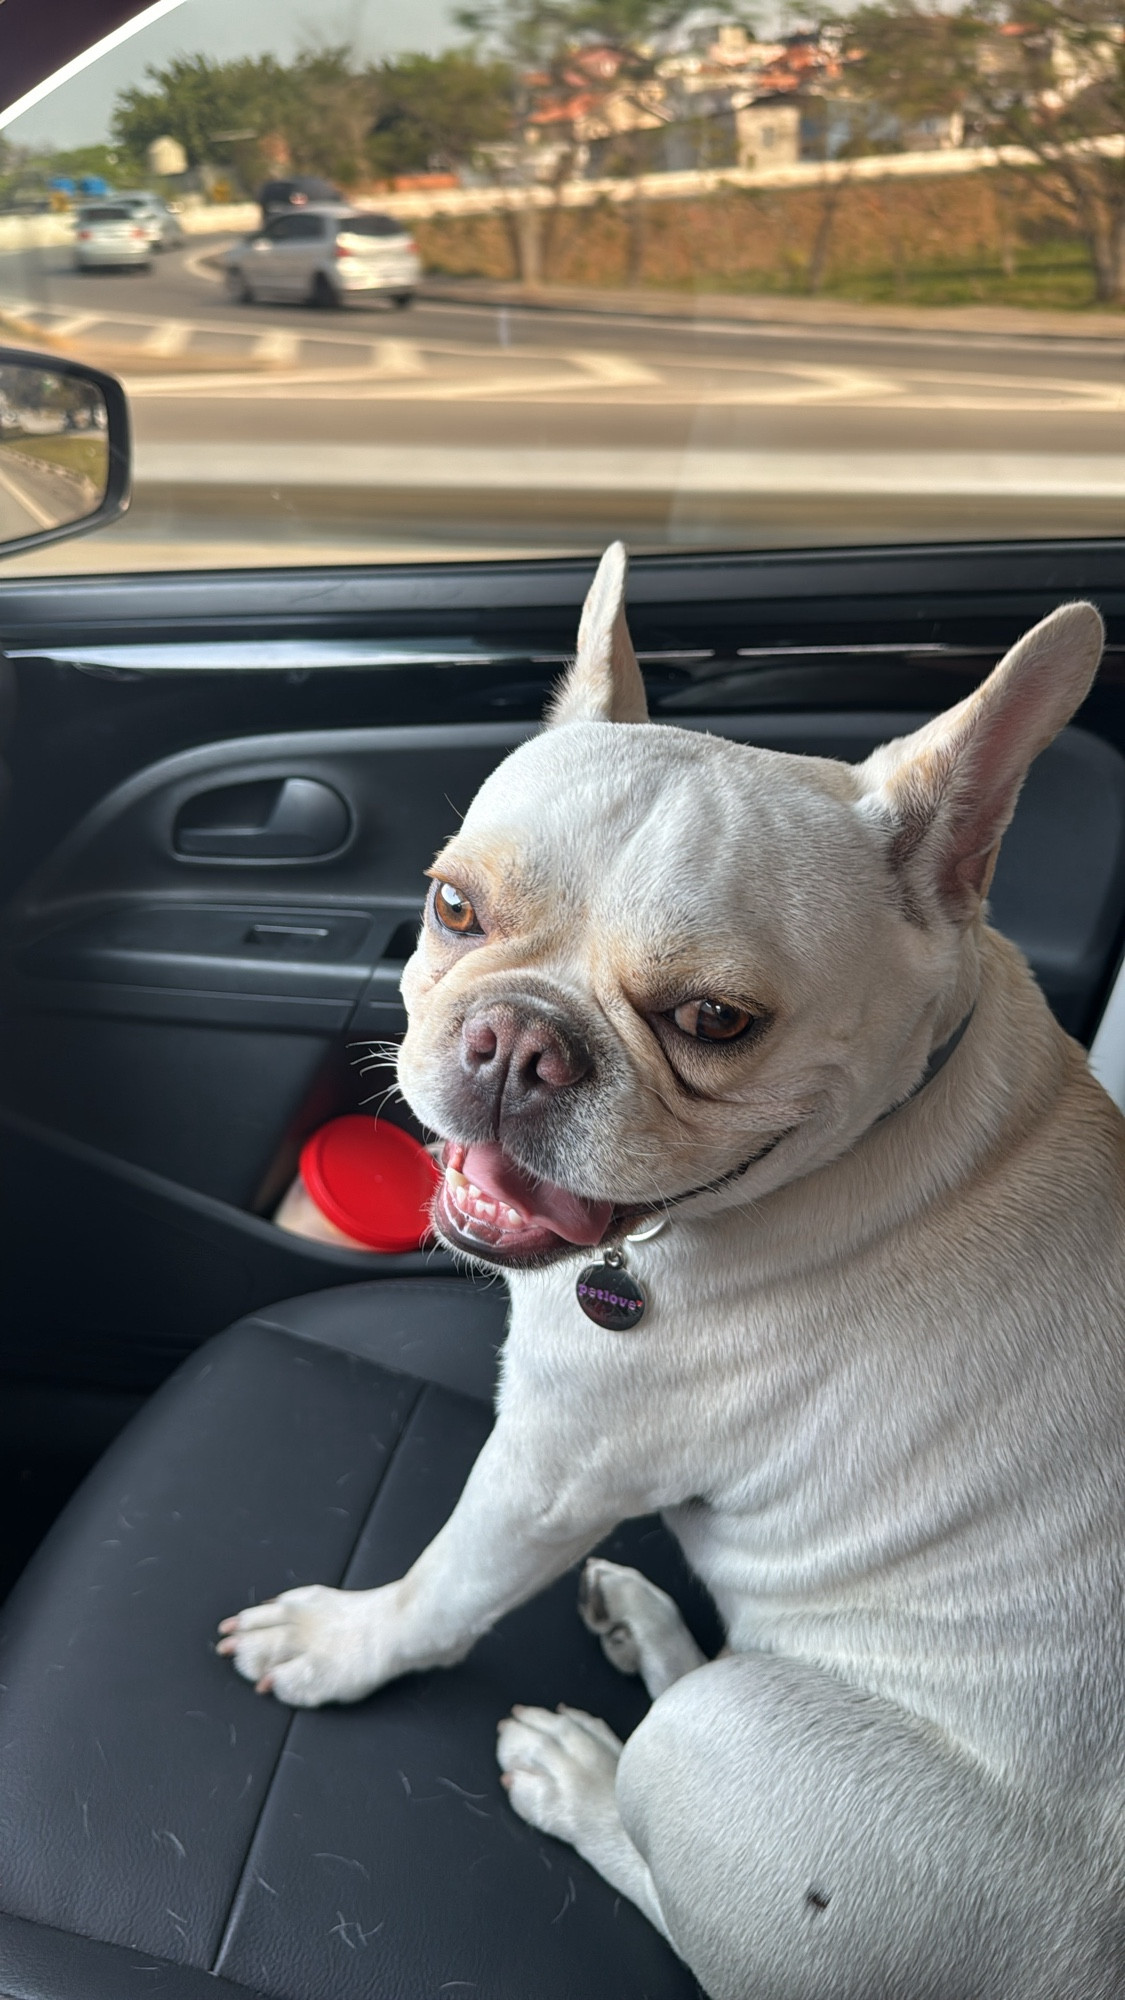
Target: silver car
[(326, 255), (108, 233), (165, 230)]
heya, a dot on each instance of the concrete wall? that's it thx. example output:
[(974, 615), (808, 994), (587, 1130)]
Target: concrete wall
[(22, 232)]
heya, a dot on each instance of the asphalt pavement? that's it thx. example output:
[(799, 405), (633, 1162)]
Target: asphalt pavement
[(276, 431)]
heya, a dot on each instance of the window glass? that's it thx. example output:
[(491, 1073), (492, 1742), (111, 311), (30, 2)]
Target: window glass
[(287, 228), (371, 225), (701, 276)]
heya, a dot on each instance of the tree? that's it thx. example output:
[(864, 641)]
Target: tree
[(327, 112), (547, 44), (913, 64), (332, 116), (201, 103), (1042, 79), (1057, 90), (437, 112)]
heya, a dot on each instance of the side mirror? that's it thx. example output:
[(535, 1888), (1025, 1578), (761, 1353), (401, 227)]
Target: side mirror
[(64, 449)]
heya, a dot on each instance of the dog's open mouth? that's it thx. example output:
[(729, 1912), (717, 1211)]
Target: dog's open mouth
[(488, 1205)]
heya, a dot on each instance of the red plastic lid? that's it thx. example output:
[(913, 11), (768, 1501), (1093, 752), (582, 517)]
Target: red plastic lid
[(373, 1181)]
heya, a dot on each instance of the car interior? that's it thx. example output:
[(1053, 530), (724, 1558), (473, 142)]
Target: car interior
[(221, 791)]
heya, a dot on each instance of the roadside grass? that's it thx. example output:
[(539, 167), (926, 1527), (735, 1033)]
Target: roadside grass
[(1054, 277), (83, 457)]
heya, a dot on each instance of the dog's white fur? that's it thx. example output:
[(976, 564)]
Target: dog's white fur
[(879, 1394)]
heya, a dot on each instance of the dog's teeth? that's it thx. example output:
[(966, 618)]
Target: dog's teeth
[(475, 1206)]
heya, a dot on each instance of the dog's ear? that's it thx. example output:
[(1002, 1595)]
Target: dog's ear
[(948, 792), (604, 684)]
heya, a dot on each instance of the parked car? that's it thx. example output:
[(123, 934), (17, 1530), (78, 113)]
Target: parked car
[(327, 255), (165, 230), (110, 234)]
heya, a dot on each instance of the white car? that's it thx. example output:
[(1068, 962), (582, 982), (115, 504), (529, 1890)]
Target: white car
[(326, 255), (108, 233), (163, 225)]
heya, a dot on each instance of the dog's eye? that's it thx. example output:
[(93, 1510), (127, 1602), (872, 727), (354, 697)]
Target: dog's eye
[(454, 911), (712, 1020)]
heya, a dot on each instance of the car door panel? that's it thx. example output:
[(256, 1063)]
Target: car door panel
[(186, 998)]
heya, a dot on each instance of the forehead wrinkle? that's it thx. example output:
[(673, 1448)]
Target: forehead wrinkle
[(658, 978), (501, 865)]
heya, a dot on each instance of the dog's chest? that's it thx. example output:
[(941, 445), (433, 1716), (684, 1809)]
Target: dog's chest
[(810, 1446)]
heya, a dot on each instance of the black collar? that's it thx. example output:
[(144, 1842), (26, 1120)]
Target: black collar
[(937, 1061)]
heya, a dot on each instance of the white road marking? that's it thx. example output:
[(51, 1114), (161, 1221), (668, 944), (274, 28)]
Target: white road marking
[(73, 323), (679, 474), (353, 385), (791, 387), (198, 264), (236, 382), (619, 369), (377, 369), (240, 334), (398, 357), (25, 501), (277, 344), (168, 336)]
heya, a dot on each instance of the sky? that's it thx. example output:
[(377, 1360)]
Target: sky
[(77, 114)]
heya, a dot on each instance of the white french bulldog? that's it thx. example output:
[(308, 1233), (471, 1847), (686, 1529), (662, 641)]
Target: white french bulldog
[(878, 1392)]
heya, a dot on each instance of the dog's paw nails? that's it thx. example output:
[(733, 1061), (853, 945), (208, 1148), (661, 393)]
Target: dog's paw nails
[(640, 1628), (308, 1646), (557, 1768), (607, 1596), (591, 1603)]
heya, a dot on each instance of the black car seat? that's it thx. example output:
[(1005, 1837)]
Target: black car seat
[(165, 1830)]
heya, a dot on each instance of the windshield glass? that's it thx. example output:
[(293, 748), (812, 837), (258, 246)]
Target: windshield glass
[(695, 276)]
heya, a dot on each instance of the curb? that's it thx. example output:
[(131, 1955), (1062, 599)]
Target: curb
[(780, 309), (25, 333)]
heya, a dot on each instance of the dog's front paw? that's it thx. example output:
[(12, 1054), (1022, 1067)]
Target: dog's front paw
[(313, 1644), (560, 1770)]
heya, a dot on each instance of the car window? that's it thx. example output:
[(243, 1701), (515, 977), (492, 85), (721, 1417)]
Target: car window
[(704, 277), (371, 225), (286, 227)]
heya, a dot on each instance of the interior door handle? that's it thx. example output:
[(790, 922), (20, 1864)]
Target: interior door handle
[(272, 819)]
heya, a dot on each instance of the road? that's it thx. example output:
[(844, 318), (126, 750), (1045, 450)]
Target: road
[(273, 430)]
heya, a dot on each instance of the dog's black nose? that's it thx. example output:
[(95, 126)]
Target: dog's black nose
[(516, 1055)]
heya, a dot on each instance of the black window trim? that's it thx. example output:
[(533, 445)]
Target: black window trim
[(768, 597)]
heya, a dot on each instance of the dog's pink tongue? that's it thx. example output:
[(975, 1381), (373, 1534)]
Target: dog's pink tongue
[(571, 1217)]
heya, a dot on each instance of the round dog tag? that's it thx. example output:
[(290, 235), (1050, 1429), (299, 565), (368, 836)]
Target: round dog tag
[(610, 1297)]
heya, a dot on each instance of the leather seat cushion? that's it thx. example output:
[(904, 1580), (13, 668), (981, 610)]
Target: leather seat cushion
[(150, 1800)]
